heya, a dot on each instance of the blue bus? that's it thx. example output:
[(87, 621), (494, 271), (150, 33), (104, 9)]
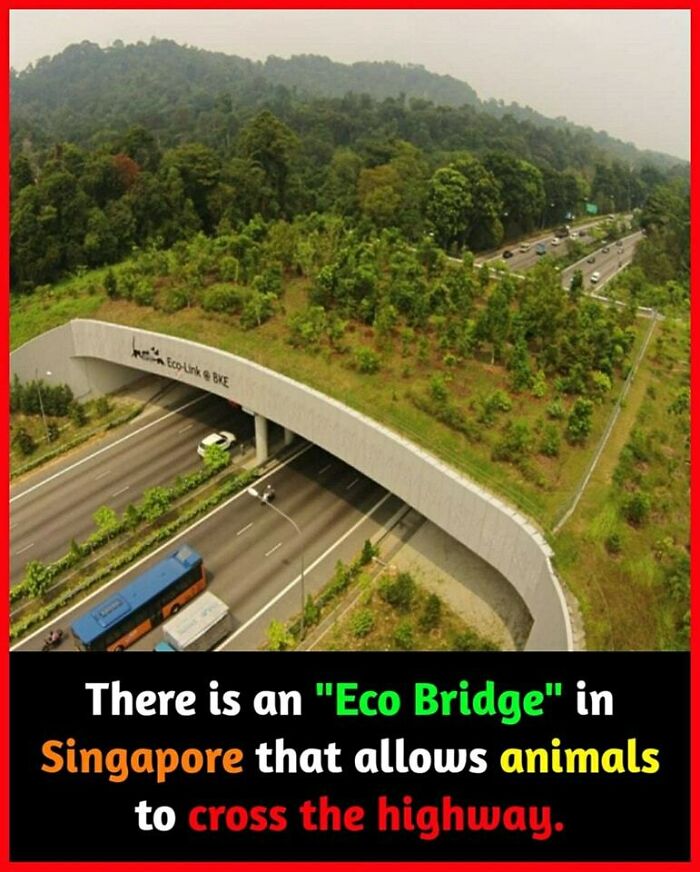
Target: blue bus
[(126, 615)]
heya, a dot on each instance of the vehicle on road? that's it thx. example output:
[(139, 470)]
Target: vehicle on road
[(556, 240), (541, 249), (163, 646), (591, 259), (595, 278), (562, 232), (222, 438), (268, 494), (200, 626), (606, 250), (122, 618), (53, 640), (524, 246), (574, 234), (507, 254)]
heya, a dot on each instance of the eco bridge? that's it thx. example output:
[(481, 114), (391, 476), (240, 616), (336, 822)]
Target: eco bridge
[(96, 357)]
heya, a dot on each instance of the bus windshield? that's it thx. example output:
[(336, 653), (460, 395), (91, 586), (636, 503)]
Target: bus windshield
[(122, 618)]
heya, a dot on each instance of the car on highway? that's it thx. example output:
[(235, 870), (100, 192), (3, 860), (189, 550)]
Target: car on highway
[(606, 250), (591, 259), (574, 234), (222, 438), (541, 248), (524, 246), (556, 240), (595, 277), (507, 254)]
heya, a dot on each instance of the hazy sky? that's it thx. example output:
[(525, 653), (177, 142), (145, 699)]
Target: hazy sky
[(624, 71)]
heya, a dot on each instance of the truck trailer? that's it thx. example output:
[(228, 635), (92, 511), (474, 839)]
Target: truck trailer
[(200, 626)]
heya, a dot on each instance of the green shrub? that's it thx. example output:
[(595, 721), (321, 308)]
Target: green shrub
[(222, 298), (366, 360), (432, 613), (613, 544), (362, 623), (636, 507), (399, 592), (402, 636)]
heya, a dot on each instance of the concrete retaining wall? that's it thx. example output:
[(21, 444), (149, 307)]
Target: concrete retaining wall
[(76, 352)]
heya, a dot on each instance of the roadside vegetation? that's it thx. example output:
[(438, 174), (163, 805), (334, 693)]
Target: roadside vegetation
[(365, 607), (314, 239), (626, 550), (46, 421), (119, 540)]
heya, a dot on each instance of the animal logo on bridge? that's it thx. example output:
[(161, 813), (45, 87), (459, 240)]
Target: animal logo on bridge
[(152, 355)]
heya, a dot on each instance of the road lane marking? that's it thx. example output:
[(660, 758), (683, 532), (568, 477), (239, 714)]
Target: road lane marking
[(26, 548), (116, 493), (325, 469), (243, 529), (185, 429), (308, 569), (169, 544), (108, 447), (272, 550), (352, 483), (102, 474)]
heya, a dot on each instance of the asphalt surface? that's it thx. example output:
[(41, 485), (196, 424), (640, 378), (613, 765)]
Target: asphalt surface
[(252, 553), (607, 264), (56, 504), (527, 259)]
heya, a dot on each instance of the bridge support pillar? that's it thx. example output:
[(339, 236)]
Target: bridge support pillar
[(261, 452), (288, 437)]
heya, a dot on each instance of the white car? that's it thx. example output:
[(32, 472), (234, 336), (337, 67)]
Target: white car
[(556, 240), (573, 234), (222, 438), (595, 278), (524, 246)]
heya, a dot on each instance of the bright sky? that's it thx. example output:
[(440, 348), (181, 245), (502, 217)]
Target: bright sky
[(624, 71)]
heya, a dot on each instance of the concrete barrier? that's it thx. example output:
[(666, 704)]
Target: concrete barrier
[(96, 357)]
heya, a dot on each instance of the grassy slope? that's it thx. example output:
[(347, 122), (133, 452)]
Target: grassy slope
[(601, 582)]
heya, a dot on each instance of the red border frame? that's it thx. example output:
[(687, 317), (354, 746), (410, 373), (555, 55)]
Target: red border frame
[(694, 863)]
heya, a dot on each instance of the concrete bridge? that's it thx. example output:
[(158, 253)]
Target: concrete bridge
[(95, 357)]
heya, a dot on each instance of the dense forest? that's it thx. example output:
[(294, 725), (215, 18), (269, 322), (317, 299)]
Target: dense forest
[(144, 146)]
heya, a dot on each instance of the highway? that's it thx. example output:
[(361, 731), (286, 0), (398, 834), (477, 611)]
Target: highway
[(252, 553), (606, 263), (56, 504), (524, 260)]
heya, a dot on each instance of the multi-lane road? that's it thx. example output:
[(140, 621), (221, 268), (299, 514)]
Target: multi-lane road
[(55, 505), (605, 263), (253, 554)]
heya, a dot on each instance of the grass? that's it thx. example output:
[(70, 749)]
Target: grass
[(625, 598), (374, 625), (606, 585), (69, 434)]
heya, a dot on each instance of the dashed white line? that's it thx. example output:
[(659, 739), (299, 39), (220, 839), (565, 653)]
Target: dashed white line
[(108, 447), (185, 429), (352, 483), (325, 469), (116, 493), (167, 544), (26, 548), (243, 529), (102, 474), (272, 550), (222, 645)]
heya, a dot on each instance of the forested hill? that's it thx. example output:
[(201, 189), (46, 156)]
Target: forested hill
[(86, 93)]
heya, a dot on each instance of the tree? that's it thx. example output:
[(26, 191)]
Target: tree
[(519, 365), (25, 442), (449, 206), (576, 286), (156, 502), (580, 421), (493, 324), (37, 578), (272, 146), (105, 518), (216, 457)]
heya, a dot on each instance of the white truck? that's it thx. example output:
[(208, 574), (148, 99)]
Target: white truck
[(200, 626)]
